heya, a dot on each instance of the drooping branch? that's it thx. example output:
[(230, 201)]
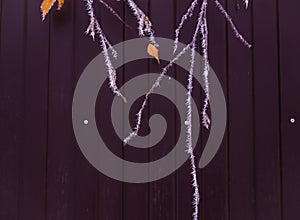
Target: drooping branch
[(189, 13), (204, 45), (189, 144), (144, 23), (114, 13), (145, 29), (233, 27), (192, 46), (93, 29), (201, 27)]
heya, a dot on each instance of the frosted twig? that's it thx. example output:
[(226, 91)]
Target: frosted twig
[(138, 14), (204, 44), (192, 45), (229, 19), (246, 3), (144, 23), (188, 13), (196, 196), (93, 28), (114, 13)]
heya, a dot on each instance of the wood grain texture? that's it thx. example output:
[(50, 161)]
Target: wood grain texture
[(289, 107), (43, 174), (240, 117), (266, 110), (13, 23), (162, 192), (61, 143)]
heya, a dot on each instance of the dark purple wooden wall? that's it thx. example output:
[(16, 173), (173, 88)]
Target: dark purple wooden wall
[(256, 173)]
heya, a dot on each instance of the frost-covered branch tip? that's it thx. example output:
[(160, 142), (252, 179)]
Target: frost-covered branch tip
[(144, 23), (204, 45), (114, 13), (188, 14), (233, 27), (246, 3), (93, 29)]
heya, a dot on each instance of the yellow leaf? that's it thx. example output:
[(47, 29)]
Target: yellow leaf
[(60, 3), (46, 6), (153, 51)]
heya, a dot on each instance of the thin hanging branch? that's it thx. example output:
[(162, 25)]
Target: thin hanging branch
[(203, 28), (188, 14), (114, 13), (233, 27), (189, 144), (188, 122), (145, 29), (144, 23), (93, 29), (204, 44)]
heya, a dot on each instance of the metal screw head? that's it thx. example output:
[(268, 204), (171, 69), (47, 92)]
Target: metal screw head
[(292, 120)]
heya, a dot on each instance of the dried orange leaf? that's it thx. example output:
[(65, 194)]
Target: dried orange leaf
[(46, 6), (60, 4), (153, 51)]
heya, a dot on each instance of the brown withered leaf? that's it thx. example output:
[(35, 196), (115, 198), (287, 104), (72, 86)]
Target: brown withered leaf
[(153, 51), (60, 4), (48, 4)]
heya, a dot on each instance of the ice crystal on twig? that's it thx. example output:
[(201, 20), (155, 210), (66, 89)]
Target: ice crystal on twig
[(246, 3)]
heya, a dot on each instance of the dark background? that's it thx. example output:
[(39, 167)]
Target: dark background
[(43, 174)]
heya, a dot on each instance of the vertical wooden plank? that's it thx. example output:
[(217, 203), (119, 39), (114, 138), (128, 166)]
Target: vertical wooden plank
[(214, 178), (61, 142), (34, 146), (266, 111), (86, 176), (240, 120), (136, 196), (110, 190), (162, 192), (290, 109), (12, 43)]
